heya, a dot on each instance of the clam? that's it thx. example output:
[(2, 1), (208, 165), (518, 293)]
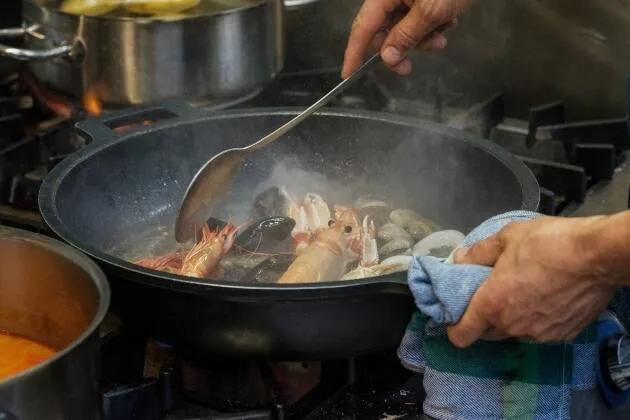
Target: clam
[(419, 229), (376, 270), (375, 207), (390, 231), (401, 217), (439, 244), (396, 246), (401, 261), (412, 222)]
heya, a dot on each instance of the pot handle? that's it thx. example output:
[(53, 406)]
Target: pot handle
[(116, 124), (25, 54)]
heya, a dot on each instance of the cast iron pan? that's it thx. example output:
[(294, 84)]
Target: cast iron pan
[(117, 199)]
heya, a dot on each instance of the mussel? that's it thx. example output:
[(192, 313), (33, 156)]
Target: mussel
[(270, 270), (263, 236), (266, 235)]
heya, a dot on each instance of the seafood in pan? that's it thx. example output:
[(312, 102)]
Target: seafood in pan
[(202, 260), (292, 240)]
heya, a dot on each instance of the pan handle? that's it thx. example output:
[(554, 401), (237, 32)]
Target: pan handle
[(116, 124), (25, 54)]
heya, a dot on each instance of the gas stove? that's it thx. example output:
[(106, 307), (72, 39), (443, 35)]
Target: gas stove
[(581, 167)]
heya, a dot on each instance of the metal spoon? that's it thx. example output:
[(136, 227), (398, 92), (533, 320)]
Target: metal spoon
[(215, 177)]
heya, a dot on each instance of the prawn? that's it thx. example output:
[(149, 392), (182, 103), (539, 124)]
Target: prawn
[(204, 257), (327, 255)]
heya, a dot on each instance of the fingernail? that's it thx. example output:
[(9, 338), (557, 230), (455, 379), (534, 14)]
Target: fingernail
[(457, 338), (392, 55), (441, 43), (405, 66)]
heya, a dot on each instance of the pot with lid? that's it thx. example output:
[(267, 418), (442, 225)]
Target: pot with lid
[(52, 302), (127, 52)]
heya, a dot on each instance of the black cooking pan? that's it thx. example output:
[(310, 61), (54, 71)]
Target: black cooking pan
[(119, 196)]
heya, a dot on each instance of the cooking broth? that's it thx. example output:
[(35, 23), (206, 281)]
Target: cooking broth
[(18, 354), (158, 9)]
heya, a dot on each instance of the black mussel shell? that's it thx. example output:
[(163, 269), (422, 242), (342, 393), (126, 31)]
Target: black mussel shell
[(265, 235), (270, 270), (269, 203)]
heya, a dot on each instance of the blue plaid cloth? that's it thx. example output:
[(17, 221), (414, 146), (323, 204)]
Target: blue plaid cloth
[(493, 380)]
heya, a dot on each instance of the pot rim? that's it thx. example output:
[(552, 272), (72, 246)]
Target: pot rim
[(149, 20), (90, 268)]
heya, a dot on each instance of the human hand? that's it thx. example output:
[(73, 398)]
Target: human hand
[(395, 27), (547, 283)]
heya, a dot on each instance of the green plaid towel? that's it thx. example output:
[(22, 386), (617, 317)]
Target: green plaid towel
[(493, 380)]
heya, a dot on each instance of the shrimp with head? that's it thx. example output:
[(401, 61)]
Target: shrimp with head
[(327, 256), (204, 257)]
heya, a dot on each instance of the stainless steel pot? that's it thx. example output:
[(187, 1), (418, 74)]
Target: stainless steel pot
[(55, 295), (128, 61)]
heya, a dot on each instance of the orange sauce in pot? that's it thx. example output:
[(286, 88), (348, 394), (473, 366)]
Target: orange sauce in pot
[(19, 353)]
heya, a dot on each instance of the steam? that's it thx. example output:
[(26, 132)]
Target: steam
[(300, 182)]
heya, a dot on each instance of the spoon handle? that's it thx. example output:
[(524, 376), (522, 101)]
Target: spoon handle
[(316, 106)]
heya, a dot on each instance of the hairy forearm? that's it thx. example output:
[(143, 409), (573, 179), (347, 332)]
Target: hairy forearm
[(608, 239)]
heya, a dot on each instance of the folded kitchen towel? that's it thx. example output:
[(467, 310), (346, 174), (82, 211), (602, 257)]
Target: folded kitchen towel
[(509, 379)]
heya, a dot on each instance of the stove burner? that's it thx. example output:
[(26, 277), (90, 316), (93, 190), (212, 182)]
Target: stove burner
[(32, 141), (145, 379)]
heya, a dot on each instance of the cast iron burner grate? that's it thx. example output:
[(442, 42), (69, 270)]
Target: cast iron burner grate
[(32, 141), (567, 158)]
